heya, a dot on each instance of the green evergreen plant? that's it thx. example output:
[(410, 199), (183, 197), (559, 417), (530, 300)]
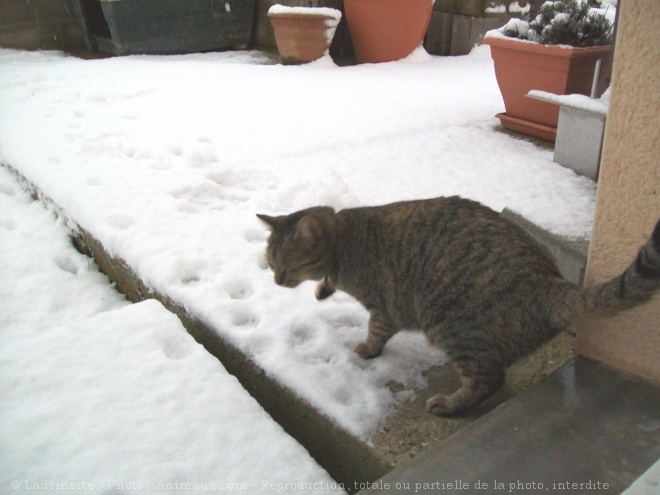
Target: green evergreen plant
[(565, 22)]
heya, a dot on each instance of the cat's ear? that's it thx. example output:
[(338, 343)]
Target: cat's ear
[(271, 222), (309, 228)]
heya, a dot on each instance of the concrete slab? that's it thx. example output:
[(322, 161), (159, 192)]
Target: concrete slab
[(587, 428), (579, 141), (580, 131), (646, 484)]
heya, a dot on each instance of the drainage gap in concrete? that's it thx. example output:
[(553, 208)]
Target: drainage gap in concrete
[(347, 459)]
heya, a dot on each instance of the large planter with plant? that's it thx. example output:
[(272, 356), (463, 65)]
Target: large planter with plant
[(387, 30), (303, 34), (556, 52)]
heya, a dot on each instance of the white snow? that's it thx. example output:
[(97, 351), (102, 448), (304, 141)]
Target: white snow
[(323, 11), (516, 25), (99, 395), (495, 9), (166, 160), (607, 3), (516, 9), (598, 106), (561, 18)]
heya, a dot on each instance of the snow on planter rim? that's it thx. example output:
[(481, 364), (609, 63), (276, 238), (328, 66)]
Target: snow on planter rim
[(321, 11)]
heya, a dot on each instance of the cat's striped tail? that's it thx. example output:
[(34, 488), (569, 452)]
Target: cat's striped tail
[(633, 287)]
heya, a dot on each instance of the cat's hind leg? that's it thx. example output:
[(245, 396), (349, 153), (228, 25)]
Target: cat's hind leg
[(477, 385), (379, 334)]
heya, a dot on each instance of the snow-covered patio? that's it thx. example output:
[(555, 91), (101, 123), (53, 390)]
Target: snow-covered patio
[(165, 161), (102, 395)]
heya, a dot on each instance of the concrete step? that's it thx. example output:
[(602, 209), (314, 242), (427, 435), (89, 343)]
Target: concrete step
[(586, 428), (409, 431)]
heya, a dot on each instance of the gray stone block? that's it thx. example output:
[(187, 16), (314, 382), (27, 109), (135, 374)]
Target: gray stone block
[(580, 130), (468, 31), (579, 141), (13, 11), (438, 35), (24, 37), (473, 8), (39, 24)]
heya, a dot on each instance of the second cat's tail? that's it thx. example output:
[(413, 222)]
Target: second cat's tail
[(634, 286)]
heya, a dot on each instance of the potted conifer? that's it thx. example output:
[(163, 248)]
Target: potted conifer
[(556, 51)]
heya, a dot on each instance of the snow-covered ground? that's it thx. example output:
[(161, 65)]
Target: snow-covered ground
[(166, 160), (98, 395)]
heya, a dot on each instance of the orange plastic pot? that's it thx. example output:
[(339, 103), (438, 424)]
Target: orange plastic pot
[(387, 30), (523, 66)]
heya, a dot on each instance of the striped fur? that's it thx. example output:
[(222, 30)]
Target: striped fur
[(634, 286), (478, 286)]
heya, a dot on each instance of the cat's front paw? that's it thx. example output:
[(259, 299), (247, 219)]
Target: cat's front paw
[(440, 405), (365, 352)]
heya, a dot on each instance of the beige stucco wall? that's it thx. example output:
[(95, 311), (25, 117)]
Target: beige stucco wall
[(628, 200)]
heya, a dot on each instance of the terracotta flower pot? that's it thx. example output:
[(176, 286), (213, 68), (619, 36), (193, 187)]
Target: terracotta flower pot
[(303, 34), (522, 66), (387, 30)]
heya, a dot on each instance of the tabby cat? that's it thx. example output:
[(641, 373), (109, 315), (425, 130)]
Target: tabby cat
[(477, 285)]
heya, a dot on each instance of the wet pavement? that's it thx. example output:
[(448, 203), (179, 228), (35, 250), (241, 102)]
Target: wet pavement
[(586, 428)]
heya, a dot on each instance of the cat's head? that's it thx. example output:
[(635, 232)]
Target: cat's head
[(301, 245)]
